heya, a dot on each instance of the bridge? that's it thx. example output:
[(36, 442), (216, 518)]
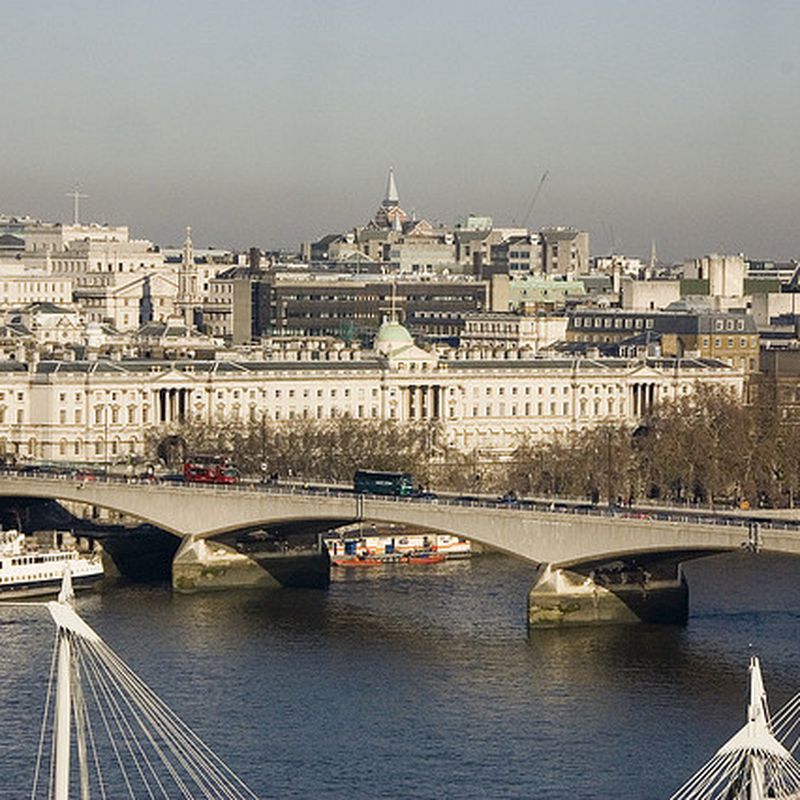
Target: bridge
[(589, 565)]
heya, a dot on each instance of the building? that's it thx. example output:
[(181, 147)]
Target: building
[(783, 271), (721, 276), (518, 255), (652, 295), (512, 332), (104, 410), (246, 304), (20, 285), (565, 252), (727, 336), (532, 293)]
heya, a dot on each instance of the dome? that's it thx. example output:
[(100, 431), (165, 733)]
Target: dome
[(391, 336)]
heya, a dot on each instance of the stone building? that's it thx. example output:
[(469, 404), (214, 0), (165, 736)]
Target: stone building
[(97, 411), (727, 336)]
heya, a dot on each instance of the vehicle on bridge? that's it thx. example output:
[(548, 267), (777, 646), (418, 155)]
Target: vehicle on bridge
[(392, 483), (209, 468)]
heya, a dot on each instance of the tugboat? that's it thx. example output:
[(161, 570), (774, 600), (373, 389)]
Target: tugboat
[(29, 572)]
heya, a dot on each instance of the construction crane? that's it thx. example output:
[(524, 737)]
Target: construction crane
[(534, 199)]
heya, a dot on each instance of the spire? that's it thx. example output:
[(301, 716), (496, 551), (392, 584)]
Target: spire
[(188, 250), (392, 198), (187, 277)]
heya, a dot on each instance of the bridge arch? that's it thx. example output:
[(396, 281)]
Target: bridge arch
[(563, 545)]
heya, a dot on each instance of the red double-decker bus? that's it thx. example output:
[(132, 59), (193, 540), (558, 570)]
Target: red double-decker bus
[(209, 468)]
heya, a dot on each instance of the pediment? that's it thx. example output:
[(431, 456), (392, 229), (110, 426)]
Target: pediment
[(173, 377), (645, 371)]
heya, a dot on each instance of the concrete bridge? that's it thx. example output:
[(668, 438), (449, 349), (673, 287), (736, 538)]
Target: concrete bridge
[(588, 565)]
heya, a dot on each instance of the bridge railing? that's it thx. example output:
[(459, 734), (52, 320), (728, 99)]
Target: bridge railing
[(539, 505)]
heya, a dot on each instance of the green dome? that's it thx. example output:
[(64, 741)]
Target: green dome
[(391, 335)]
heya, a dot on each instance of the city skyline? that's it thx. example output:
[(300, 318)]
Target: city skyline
[(272, 125)]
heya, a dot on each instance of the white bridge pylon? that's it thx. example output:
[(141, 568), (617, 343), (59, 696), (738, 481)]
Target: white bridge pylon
[(128, 742), (753, 764)]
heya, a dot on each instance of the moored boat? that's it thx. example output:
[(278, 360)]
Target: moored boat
[(424, 558), (376, 550), (357, 561), (27, 571)]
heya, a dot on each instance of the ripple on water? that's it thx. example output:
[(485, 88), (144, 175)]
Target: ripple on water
[(423, 682)]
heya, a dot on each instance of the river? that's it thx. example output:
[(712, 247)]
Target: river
[(422, 682)]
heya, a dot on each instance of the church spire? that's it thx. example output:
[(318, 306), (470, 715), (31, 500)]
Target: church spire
[(651, 266), (188, 249), (187, 279), (392, 199)]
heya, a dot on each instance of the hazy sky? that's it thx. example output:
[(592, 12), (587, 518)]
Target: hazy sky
[(273, 122)]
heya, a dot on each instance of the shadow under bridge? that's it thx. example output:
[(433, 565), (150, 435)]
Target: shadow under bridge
[(590, 567)]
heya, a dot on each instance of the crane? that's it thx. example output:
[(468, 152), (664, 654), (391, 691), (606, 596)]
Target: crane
[(535, 198)]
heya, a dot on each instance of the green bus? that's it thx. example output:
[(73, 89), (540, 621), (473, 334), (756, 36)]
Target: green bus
[(395, 483)]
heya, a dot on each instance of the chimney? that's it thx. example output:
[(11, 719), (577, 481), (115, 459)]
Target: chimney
[(477, 264)]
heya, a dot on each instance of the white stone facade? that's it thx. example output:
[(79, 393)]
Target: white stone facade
[(20, 285), (100, 411)]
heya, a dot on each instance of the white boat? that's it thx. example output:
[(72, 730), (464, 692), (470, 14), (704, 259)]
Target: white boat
[(401, 548), (31, 571)]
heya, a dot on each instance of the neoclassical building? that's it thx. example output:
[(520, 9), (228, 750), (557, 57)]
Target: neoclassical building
[(100, 410)]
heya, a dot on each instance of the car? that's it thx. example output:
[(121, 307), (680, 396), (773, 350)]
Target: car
[(424, 495), (510, 498)]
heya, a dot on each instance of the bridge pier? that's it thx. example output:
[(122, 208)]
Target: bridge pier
[(206, 565), (613, 594)]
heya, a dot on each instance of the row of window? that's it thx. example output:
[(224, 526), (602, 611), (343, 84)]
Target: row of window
[(540, 409), (612, 322)]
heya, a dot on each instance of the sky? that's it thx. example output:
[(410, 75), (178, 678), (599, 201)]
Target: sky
[(270, 123)]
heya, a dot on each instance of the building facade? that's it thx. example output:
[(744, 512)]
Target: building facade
[(726, 336), (101, 411)]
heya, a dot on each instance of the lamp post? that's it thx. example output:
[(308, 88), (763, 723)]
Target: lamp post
[(264, 465)]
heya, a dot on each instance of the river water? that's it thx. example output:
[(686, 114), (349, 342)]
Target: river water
[(422, 682)]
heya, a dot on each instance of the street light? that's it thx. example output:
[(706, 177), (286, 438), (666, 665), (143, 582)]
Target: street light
[(105, 439)]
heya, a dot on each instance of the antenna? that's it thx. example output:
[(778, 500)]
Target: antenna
[(76, 196)]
